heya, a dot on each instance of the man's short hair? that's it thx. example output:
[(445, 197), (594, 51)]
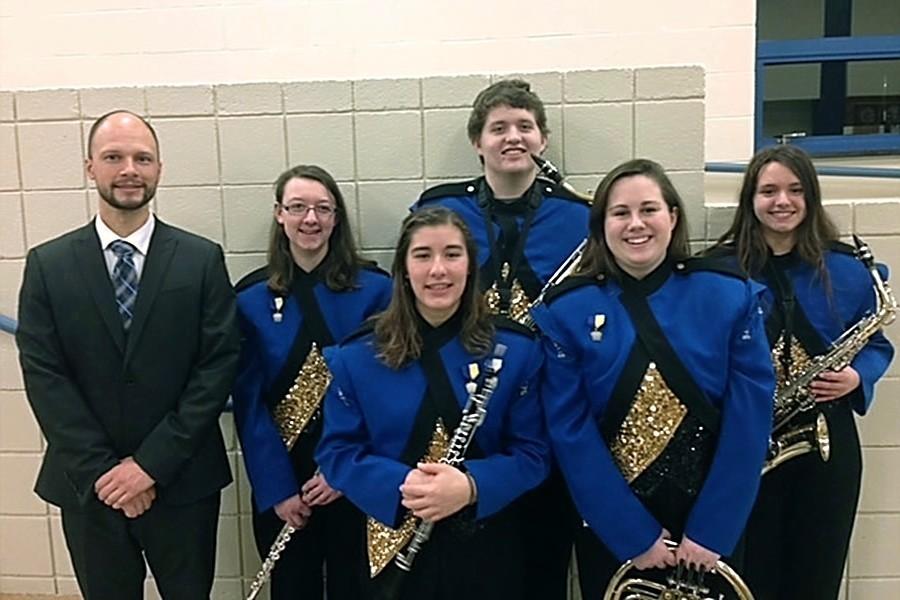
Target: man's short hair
[(515, 93), (118, 111)]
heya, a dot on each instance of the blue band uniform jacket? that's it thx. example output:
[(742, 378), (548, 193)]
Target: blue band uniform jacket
[(526, 241), (269, 332), (714, 325), (371, 411), (823, 314)]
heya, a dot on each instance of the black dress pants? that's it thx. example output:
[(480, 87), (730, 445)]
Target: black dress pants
[(799, 531), (332, 544), (462, 560), (108, 549), (549, 522)]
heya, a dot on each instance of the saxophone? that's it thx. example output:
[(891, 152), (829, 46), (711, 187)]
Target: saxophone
[(472, 418), (680, 584), (568, 266), (789, 442)]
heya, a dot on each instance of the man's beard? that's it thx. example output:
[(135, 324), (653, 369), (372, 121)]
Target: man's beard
[(108, 195)]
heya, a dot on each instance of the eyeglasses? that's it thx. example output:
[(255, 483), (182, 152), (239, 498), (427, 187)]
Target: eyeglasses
[(323, 211)]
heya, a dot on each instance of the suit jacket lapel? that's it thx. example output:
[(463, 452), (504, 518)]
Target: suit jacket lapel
[(159, 255), (89, 256)]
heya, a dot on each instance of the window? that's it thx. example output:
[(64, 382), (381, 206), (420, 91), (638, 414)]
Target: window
[(828, 75)]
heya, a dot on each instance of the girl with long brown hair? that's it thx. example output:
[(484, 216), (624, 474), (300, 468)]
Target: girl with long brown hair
[(314, 290), (398, 391), (799, 531)]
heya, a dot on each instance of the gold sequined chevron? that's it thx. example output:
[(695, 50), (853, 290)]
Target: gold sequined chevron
[(301, 402), (649, 426), (385, 542)]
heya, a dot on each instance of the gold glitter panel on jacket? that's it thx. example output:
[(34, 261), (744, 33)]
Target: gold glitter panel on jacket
[(800, 363), (518, 302), (385, 542), (301, 402), (648, 427)]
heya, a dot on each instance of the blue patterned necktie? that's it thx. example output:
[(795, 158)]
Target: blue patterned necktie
[(125, 279)]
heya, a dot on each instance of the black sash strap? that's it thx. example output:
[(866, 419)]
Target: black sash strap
[(679, 472), (657, 346), (438, 400), (513, 250), (314, 329), (788, 317)]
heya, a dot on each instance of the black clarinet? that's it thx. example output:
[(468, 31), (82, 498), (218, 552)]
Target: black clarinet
[(472, 418), (390, 583)]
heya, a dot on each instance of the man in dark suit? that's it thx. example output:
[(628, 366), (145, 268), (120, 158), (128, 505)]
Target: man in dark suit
[(128, 344)]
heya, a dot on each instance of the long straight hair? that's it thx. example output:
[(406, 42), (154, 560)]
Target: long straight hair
[(598, 258), (342, 263), (812, 235), (397, 335)]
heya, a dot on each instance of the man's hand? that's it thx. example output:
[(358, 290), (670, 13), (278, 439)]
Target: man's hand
[(317, 492), (123, 483), (293, 511), (434, 491), (140, 504)]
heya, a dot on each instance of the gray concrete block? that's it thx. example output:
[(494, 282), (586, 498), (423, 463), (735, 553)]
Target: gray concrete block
[(57, 144), (196, 209), (614, 85), (7, 108), (671, 133), (389, 145), (9, 158), (448, 152), (718, 220), (445, 92), (669, 82), (382, 207), (597, 137), (44, 105), (690, 187), (386, 94), (252, 149), (51, 214), (318, 96), (248, 216), (325, 140), (12, 236), (179, 101), (547, 86), (239, 265), (249, 99), (876, 217), (188, 150), (842, 215), (99, 101)]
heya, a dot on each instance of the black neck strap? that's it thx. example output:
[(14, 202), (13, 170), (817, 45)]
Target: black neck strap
[(513, 250)]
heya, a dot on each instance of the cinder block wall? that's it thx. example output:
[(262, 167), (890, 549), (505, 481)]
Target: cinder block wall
[(385, 141)]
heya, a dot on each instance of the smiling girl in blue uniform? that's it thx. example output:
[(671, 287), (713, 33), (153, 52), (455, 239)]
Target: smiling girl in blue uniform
[(658, 387), (314, 291), (399, 387), (799, 532)]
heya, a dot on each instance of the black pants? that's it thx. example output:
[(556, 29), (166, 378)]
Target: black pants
[(332, 542), (463, 560), (108, 549), (670, 505), (800, 528), (549, 521)]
